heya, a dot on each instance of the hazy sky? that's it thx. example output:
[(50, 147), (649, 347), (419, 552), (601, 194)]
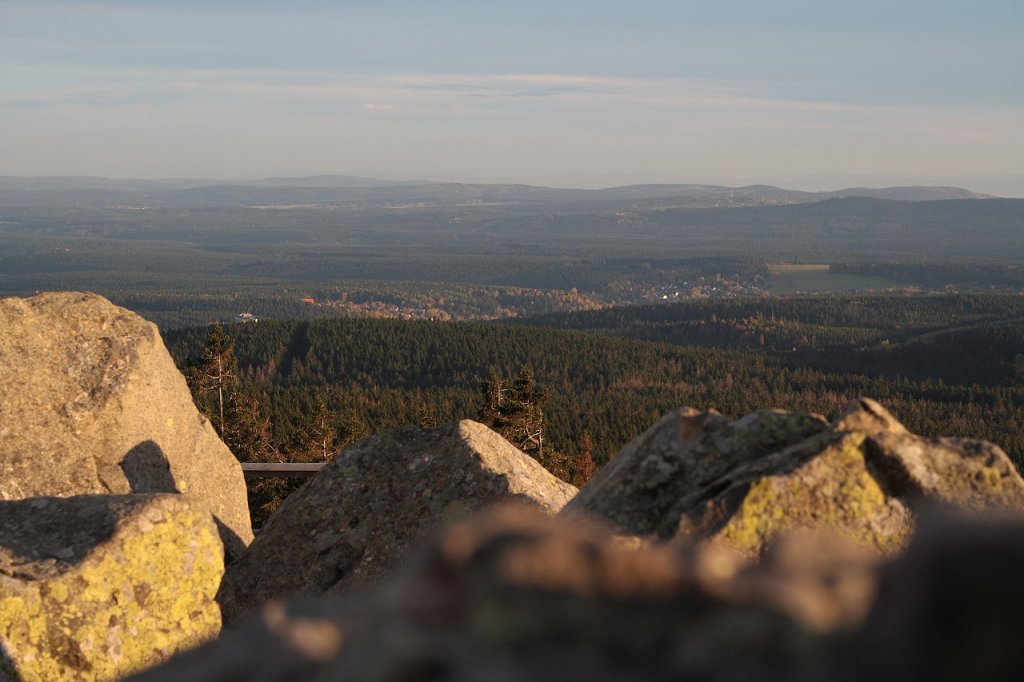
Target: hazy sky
[(578, 92)]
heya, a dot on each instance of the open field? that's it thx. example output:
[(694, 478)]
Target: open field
[(795, 278)]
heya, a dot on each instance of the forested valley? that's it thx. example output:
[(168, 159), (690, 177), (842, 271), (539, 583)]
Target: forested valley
[(945, 365), (568, 320)]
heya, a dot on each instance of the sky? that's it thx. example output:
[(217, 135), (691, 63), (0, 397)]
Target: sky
[(805, 94)]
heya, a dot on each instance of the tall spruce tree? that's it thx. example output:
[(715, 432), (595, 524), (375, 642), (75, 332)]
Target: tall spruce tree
[(215, 373), (323, 436), (248, 432)]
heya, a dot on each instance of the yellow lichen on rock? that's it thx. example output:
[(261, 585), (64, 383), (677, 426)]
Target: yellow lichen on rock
[(834, 491), (124, 604)]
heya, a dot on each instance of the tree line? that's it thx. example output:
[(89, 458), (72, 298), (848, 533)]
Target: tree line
[(600, 391)]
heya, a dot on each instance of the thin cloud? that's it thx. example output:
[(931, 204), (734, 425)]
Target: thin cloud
[(132, 88), (526, 122), (663, 92)]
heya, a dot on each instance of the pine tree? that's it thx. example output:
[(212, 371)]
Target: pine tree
[(248, 433), (353, 427), (524, 415), (492, 391), (216, 372)]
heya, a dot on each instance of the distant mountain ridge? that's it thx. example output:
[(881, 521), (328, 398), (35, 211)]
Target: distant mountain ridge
[(346, 190), (912, 193)]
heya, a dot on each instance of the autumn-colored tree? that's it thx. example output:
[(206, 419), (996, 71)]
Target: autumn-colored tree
[(425, 418), (584, 466)]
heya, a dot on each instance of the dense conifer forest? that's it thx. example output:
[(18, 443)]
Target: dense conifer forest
[(947, 365)]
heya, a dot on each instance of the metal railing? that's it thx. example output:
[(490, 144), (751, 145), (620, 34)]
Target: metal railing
[(281, 469)]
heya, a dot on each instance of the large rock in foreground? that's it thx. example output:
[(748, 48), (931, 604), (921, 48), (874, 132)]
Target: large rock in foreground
[(699, 477), (99, 586), (93, 403), (514, 596), (356, 521), (950, 608)]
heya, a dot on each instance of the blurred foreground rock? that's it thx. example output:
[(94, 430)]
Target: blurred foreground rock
[(93, 403), (357, 520), (697, 477), (951, 608), (99, 586), (516, 595), (513, 595)]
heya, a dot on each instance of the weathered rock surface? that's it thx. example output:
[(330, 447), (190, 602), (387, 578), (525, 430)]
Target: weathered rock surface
[(515, 596), (822, 484), (356, 521), (682, 452), (99, 586), (92, 403), (698, 477)]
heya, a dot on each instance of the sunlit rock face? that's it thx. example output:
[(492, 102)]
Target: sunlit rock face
[(698, 477), (96, 587), (93, 403), (357, 520)]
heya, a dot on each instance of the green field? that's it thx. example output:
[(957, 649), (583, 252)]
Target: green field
[(797, 278)]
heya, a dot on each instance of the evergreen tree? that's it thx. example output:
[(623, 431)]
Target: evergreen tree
[(216, 372), (515, 409), (322, 434), (353, 427), (247, 431), (492, 391), (524, 414)]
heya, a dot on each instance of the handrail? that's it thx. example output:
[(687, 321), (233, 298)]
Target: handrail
[(281, 469)]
